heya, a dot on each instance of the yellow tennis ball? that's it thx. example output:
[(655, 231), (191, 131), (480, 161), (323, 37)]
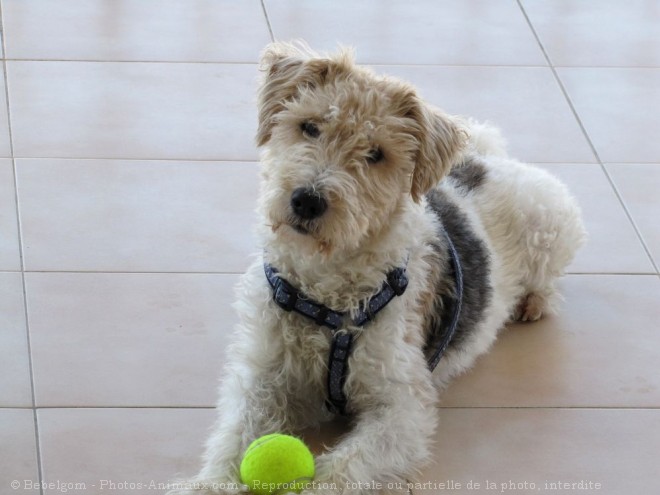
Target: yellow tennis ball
[(277, 463)]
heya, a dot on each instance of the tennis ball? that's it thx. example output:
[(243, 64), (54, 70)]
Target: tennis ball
[(277, 463)]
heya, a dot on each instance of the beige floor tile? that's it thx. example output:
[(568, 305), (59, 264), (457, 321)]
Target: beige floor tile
[(164, 30), (422, 32), (15, 388), (605, 33), (525, 103), (128, 339), (5, 148), (639, 186), (18, 455), (10, 258), (104, 215), (616, 448), (133, 110), (601, 350), (618, 108), (122, 450), (613, 245)]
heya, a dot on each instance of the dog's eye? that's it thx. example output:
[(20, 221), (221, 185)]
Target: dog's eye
[(310, 130), (375, 155)]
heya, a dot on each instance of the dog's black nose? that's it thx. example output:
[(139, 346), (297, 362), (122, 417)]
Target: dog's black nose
[(307, 203)]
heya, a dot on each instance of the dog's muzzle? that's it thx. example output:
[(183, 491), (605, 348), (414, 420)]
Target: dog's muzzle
[(307, 203)]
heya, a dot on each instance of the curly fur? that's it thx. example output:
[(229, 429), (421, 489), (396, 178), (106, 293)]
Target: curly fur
[(522, 220)]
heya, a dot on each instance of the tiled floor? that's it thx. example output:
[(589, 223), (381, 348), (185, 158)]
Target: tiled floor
[(127, 183)]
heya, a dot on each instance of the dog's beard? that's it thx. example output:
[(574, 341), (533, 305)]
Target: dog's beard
[(304, 235), (304, 227)]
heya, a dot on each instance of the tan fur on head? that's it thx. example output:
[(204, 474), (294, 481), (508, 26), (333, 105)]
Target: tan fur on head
[(358, 114), (288, 69), (441, 139)]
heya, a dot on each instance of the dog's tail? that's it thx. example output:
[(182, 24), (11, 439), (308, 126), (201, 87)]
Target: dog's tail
[(485, 139)]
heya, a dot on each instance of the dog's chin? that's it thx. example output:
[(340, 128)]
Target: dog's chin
[(302, 240), (300, 229)]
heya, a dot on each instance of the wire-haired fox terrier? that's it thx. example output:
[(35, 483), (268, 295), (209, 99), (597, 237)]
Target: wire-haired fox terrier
[(397, 241)]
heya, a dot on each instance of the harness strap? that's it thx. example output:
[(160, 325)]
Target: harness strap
[(289, 298), (337, 372), (448, 330)]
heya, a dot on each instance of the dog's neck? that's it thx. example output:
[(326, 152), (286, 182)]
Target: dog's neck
[(341, 280)]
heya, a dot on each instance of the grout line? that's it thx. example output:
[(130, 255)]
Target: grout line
[(241, 272), (576, 162), (257, 160), (616, 274), (466, 66), (653, 67), (377, 63), (589, 141), (117, 407), (182, 160), (256, 63), (270, 27), (550, 408), (631, 219), (119, 61), (22, 261), (636, 162), (120, 272), (210, 408), (558, 81)]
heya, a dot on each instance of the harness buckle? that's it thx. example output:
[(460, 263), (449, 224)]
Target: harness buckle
[(398, 280)]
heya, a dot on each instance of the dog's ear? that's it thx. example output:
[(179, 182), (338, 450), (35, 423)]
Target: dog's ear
[(440, 139), (289, 69)]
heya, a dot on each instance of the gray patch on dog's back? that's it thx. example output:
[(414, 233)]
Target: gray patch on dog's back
[(475, 264), (470, 174)]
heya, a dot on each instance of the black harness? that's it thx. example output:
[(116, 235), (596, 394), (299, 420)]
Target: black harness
[(289, 298)]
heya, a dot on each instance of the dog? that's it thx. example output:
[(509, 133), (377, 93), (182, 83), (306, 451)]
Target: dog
[(397, 241)]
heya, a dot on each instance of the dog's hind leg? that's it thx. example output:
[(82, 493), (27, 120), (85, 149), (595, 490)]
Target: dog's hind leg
[(532, 306), (536, 232)]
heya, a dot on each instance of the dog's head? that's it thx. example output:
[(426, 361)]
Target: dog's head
[(344, 149)]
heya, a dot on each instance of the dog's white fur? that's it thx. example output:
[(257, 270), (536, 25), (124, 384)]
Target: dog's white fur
[(275, 378)]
